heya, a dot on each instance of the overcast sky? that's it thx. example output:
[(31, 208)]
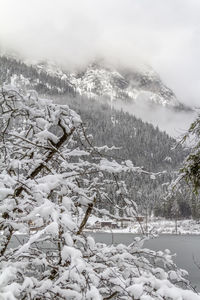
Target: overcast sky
[(162, 33)]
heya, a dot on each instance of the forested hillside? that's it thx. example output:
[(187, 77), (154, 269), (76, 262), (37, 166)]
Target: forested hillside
[(23, 75), (137, 141), (95, 80)]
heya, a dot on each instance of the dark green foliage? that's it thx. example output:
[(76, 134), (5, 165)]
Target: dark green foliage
[(191, 168), (177, 205)]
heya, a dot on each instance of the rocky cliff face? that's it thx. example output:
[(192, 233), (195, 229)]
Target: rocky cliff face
[(94, 81), (127, 85)]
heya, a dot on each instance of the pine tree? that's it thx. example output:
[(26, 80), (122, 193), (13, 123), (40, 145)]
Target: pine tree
[(191, 169)]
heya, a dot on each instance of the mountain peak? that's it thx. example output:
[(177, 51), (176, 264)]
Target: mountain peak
[(97, 80), (122, 84)]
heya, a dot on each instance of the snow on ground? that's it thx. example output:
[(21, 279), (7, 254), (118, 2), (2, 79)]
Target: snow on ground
[(173, 227), (160, 226)]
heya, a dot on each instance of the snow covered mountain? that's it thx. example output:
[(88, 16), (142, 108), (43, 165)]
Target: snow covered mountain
[(95, 81), (98, 80)]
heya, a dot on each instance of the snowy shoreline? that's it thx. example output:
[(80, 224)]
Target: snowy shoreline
[(161, 227), (158, 227)]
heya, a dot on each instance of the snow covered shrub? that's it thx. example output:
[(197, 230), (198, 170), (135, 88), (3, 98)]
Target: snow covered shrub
[(51, 178)]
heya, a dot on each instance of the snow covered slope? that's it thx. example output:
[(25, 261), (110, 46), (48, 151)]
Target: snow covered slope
[(95, 81)]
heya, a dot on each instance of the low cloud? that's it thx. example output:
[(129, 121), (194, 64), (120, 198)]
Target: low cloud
[(163, 34), (174, 122)]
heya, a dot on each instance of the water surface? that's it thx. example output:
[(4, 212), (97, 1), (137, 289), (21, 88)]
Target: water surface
[(186, 248)]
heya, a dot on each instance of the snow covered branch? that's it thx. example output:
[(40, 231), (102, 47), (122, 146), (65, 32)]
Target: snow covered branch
[(50, 184)]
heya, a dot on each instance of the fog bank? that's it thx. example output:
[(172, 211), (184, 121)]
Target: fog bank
[(163, 34)]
